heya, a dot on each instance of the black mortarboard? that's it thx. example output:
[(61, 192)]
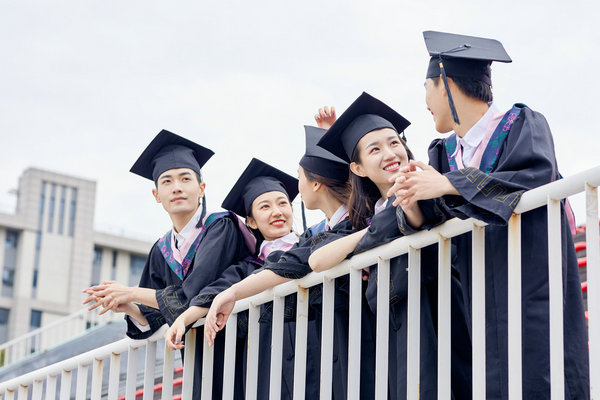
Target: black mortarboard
[(364, 115), (167, 151), (462, 56), (258, 178), (318, 160)]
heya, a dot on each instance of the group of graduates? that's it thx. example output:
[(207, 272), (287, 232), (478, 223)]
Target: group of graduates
[(358, 170)]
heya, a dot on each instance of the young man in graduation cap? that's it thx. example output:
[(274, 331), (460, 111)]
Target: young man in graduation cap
[(188, 257), (480, 171)]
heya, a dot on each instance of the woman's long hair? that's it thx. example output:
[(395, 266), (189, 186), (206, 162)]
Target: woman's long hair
[(365, 193)]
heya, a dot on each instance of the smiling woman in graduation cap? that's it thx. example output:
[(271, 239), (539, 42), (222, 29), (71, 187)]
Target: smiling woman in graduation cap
[(189, 256), (481, 170)]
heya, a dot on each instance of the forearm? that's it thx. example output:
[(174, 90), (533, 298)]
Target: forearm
[(414, 216), (193, 314), (145, 296), (256, 283), (335, 252), (133, 311)]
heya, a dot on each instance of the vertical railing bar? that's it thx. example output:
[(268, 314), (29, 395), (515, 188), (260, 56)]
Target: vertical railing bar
[(382, 331), (65, 385), (23, 392), (82, 376), (478, 312), (252, 361), (131, 384), (557, 362), (328, 311), (38, 390), (593, 296), (276, 348), (229, 357), (149, 366), (9, 395), (515, 384), (354, 333), (189, 364), (208, 354), (301, 344), (414, 323), (113, 376), (96, 392), (444, 310), (167, 380), (51, 387)]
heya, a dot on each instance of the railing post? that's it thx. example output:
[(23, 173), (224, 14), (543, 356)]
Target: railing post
[(51, 387), (383, 323), (413, 352), (253, 343), (327, 338), (229, 357), (301, 342), (354, 333), (593, 296), (557, 360), (65, 385), (478, 312), (515, 380), (208, 354), (149, 366), (444, 310), (113, 376), (97, 379), (38, 387), (81, 388), (167, 380), (131, 384), (276, 348), (189, 364)]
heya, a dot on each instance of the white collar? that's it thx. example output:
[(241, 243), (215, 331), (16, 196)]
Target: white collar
[(182, 236), (380, 205), (475, 135), (290, 238), (337, 216)]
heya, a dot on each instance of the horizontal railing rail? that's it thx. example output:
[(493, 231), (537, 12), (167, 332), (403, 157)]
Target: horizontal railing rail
[(545, 196)]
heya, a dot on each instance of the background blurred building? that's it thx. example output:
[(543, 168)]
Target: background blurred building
[(51, 252)]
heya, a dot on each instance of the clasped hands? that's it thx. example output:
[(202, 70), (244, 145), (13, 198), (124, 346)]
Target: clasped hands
[(418, 181), (110, 295)]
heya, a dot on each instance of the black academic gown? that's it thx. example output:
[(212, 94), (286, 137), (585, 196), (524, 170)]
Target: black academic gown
[(384, 228), (526, 160), (221, 246)]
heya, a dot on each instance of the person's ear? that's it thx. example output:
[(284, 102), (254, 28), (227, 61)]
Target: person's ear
[(357, 169), (316, 186), (202, 189), (251, 222), (156, 196)]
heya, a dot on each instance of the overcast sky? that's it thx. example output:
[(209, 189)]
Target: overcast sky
[(85, 85)]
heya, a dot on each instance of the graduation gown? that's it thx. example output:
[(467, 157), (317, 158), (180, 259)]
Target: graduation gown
[(385, 227), (526, 160), (221, 246)]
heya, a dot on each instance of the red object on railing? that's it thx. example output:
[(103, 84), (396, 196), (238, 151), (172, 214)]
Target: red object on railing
[(580, 229), (579, 246), (584, 286), (582, 262)]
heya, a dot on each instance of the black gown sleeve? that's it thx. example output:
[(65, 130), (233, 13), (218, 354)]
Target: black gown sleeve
[(221, 247), (292, 264), (526, 161), (233, 274)]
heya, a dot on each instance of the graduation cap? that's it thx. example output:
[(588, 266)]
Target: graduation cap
[(365, 114), (318, 160), (462, 56), (258, 178), (167, 151)]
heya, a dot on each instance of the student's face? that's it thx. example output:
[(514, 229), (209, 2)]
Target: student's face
[(179, 191), (436, 100), (381, 155), (271, 215), (308, 190)]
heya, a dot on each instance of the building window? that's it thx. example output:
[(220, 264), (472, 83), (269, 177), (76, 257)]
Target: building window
[(61, 209), (42, 204), (113, 271), (35, 319), (72, 211), (10, 262), (51, 207), (136, 266), (96, 266), (4, 314)]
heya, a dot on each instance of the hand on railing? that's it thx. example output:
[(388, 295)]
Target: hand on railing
[(174, 334), (218, 314)]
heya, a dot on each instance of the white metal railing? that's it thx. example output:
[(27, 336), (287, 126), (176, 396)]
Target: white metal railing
[(51, 334), (547, 195)]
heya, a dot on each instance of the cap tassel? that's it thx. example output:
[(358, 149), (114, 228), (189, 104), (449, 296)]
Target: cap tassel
[(303, 215), (450, 101), (403, 137), (203, 213)]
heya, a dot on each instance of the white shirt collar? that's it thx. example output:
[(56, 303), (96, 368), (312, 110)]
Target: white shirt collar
[(337, 216), (380, 205), (290, 238), (475, 135), (182, 236)]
